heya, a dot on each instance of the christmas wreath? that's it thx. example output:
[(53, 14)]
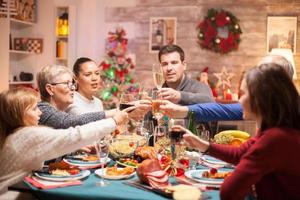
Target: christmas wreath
[(219, 31)]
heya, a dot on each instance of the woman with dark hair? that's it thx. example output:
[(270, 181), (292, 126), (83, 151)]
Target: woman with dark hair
[(87, 77), (267, 165)]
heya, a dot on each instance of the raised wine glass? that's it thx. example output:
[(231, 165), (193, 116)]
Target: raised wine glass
[(156, 102), (126, 101), (158, 76)]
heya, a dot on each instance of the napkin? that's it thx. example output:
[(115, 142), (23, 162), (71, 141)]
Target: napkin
[(44, 184)]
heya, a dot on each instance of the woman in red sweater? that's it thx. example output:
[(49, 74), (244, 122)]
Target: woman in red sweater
[(267, 165)]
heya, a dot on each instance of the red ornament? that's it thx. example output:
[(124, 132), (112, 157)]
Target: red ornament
[(132, 81)]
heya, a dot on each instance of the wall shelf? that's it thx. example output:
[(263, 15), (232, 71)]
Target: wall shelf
[(21, 52), (21, 82), (21, 22)]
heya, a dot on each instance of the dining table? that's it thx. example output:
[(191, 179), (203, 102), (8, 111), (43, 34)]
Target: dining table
[(116, 189)]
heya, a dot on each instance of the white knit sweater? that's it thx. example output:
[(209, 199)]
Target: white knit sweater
[(28, 148)]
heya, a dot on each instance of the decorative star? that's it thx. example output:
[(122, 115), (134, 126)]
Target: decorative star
[(224, 78)]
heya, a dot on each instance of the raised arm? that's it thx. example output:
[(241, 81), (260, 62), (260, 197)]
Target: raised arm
[(58, 119), (206, 112)]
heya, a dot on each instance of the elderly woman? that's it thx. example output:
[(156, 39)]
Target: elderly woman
[(87, 77), (24, 145), (57, 90), (267, 165)]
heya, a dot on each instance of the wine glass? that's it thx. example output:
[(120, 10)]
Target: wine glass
[(176, 136), (158, 76), (161, 139), (146, 130), (156, 102), (102, 150), (126, 101)]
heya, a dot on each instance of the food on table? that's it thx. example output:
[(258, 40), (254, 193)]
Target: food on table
[(62, 169), (181, 192), (213, 173), (231, 137), (162, 144), (145, 152), (121, 148), (151, 173), (115, 171), (129, 162), (90, 158)]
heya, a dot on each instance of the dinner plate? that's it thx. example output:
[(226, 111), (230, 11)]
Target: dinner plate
[(196, 175), (80, 163), (106, 176), (214, 161), (50, 177)]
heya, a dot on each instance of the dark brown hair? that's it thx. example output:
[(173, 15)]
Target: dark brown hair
[(273, 96), (78, 63), (170, 49), (13, 104)]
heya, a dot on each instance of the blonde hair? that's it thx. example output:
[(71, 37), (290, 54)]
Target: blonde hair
[(13, 104), (50, 74)]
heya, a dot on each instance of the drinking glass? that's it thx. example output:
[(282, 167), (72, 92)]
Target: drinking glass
[(126, 101), (161, 139), (176, 136), (156, 102), (102, 150), (158, 76), (146, 130)]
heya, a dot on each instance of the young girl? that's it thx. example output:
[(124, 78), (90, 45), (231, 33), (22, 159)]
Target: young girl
[(24, 146)]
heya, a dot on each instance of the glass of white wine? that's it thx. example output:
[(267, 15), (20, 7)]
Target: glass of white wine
[(158, 76)]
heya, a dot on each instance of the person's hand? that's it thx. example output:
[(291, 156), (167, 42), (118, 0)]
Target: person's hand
[(173, 110), (141, 108), (170, 94), (192, 140), (121, 117), (88, 149)]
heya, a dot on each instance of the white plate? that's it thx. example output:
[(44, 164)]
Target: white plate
[(198, 178), (86, 164), (106, 176), (85, 173), (214, 161)]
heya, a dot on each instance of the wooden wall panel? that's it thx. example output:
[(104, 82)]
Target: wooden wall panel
[(253, 21)]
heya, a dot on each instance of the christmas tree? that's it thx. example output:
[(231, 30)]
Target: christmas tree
[(117, 68)]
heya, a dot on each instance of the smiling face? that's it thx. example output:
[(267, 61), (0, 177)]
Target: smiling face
[(88, 79), (62, 91), (173, 68), (32, 115), (245, 102)]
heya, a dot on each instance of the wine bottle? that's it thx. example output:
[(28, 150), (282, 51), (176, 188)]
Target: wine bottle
[(191, 122)]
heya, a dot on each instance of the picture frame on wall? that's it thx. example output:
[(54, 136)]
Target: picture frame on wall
[(163, 31), (24, 10), (281, 32)]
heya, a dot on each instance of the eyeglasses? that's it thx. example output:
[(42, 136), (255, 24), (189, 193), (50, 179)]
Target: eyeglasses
[(70, 85)]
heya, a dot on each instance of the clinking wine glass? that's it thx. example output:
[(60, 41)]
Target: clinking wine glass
[(102, 150), (158, 77), (126, 101), (156, 102)]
